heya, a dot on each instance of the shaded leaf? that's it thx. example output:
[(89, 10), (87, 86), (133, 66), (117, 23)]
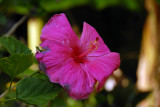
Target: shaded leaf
[(41, 76), (55, 5), (16, 64), (14, 46), (133, 5), (59, 102), (18, 6), (101, 4), (11, 94), (36, 91)]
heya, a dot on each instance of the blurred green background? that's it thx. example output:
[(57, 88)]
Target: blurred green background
[(119, 22)]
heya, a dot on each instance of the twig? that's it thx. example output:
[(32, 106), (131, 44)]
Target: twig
[(16, 25)]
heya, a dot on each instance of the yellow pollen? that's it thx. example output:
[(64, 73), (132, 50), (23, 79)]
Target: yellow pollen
[(93, 45)]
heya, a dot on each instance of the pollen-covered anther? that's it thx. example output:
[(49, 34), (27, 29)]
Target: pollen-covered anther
[(93, 45)]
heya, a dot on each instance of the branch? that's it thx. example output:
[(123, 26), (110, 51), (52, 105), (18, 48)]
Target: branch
[(16, 25)]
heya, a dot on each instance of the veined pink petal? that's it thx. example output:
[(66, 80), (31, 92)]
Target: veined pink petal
[(90, 36), (53, 58), (76, 81), (102, 67), (59, 29)]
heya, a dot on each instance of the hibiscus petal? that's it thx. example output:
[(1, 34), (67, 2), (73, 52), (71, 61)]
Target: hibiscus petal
[(53, 58), (89, 35), (76, 81), (59, 29), (103, 66)]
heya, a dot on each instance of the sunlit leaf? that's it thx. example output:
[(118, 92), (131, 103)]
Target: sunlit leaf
[(26, 73), (14, 46), (16, 64), (36, 91)]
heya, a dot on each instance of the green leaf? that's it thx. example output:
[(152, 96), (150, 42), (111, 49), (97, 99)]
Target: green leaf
[(55, 5), (11, 94), (59, 102), (101, 4), (36, 91), (132, 4), (14, 46), (41, 76), (16, 64), (26, 73), (18, 6)]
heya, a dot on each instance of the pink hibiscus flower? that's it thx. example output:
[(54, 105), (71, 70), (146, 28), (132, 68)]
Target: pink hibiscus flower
[(77, 64)]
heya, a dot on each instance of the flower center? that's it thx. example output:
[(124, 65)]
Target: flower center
[(93, 45)]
